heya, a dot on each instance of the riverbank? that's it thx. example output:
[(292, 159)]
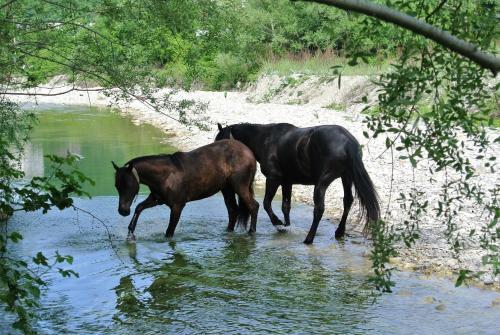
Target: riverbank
[(307, 101)]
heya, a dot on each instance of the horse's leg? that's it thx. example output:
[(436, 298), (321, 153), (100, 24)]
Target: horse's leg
[(253, 210), (348, 199), (149, 202), (319, 208), (232, 207), (175, 214), (286, 191), (271, 188), (246, 195)]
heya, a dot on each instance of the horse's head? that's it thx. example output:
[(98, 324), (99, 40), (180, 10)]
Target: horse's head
[(224, 132), (127, 185)]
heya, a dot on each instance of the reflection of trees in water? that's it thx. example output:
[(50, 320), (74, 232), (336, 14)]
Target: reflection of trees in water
[(170, 287), (127, 301), (285, 284), (237, 249), (173, 282), (275, 284)]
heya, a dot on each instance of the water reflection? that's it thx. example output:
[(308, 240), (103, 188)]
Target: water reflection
[(238, 248), (205, 280), (97, 135), (127, 299), (32, 161), (174, 283), (268, 286)]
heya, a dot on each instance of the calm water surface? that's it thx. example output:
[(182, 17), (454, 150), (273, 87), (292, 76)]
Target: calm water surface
[(205, 280), (99, 136)]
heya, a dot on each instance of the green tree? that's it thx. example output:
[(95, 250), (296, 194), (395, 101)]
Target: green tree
[(463, 101), (21, 279)]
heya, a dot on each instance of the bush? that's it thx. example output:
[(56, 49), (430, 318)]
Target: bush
[(226, 71)]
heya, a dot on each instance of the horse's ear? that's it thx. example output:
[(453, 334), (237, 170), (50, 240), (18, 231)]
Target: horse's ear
[(219, 126), (114, 165)]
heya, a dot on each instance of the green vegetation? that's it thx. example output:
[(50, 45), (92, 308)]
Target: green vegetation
[(215, 44), (336, 106), (433, 106), (21, 280), (320, 64), (138, 46)]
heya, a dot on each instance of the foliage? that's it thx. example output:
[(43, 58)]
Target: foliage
[(320, 63), (22, 279), (118, 45), (450, 134), (137, 46), (126, 44)]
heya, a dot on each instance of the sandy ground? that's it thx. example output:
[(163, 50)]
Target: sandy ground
[(302, 102)]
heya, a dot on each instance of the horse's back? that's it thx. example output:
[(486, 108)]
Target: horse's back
[(210, 168), (332, 140), (219, 149), (305, 153)]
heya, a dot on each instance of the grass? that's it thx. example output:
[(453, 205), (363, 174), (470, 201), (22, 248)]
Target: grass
[(336, 106), (319, 63)]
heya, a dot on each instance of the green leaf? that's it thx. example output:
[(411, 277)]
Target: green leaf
[(40, 259), (15, 236), (462, 276)]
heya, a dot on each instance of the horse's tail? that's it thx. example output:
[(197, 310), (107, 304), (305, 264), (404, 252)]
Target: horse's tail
[(243, 211), (368, 198)]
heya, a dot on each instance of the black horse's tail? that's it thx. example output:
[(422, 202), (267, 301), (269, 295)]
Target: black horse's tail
[(243, 211), (368, 198)]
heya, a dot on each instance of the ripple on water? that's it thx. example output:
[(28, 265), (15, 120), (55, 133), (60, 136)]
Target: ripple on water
[(206, 280)]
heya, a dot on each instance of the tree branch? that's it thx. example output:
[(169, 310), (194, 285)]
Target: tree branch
[(103, 79), (54, 94), (7, 3), (466, 49), (441, 4)]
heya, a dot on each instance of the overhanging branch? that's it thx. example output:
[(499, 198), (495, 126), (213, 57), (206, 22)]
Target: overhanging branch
[(71, 89), (384, 13)]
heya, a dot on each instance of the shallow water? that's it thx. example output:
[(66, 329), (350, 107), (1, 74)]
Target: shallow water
[(205, 280)]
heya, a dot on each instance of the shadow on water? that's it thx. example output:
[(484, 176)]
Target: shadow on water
[(205, 280)]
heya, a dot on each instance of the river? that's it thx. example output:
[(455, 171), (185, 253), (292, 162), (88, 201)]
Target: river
[(205, 280)]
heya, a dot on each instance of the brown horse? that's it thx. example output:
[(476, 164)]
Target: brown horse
[(227, 166)]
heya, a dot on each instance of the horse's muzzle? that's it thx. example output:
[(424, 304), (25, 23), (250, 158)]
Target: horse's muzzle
[(124, 212)]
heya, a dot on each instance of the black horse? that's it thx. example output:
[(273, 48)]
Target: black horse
[(227, 166), (310, 156)]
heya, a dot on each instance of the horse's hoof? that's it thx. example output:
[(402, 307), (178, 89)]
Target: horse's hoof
[(281, 228), (339, 235), (277, 222), (308, 241), (131, 237)]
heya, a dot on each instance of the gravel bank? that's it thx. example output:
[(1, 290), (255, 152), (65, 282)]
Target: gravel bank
[(302, 102)]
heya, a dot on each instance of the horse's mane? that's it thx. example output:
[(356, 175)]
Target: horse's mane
[(173, 158), (256, 124)]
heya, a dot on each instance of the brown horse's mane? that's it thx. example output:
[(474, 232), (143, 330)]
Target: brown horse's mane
[(172, 158)]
